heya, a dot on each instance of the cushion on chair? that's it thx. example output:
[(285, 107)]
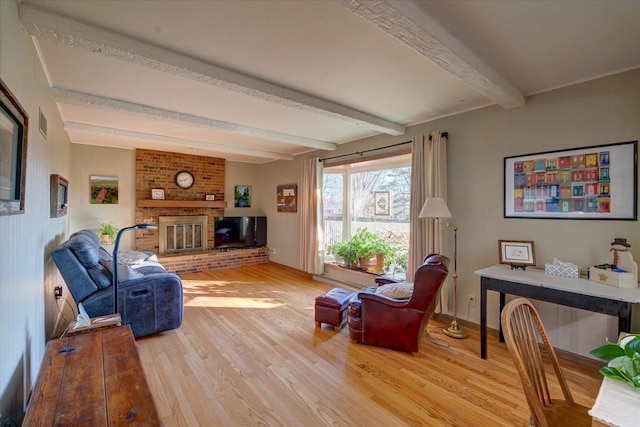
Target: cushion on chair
[(124, 271), (100, 275), (400, 290), (85, 249), (134, 257)]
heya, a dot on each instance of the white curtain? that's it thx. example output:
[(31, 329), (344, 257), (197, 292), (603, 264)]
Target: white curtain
[(428, 179), (311, 233)]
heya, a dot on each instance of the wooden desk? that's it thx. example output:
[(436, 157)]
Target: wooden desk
[(535, 284), (93, 379)]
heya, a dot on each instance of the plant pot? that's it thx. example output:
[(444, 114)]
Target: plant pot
[(338, 259), (366, 263)]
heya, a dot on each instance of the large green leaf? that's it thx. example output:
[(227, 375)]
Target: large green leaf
[(610, 372), (608, 352), (633, 345)]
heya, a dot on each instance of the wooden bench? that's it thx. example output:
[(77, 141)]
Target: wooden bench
[(92, 379)]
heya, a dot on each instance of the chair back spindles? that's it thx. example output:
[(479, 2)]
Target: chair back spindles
[(525, 337)]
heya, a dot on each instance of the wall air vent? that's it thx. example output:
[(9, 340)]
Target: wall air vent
[(42, 123)]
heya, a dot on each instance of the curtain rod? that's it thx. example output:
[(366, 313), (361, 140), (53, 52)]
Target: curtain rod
[(360, 153)]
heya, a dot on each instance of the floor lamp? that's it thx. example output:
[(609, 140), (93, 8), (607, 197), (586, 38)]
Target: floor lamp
[(114, 276), (435, 207)]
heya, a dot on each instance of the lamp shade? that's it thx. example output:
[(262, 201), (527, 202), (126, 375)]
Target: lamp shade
[(435, 207)]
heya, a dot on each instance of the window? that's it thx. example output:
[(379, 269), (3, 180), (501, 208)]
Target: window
[(373, 194)]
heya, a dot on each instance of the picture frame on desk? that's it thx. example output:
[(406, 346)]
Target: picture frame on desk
[(520, 253), (595, 182)]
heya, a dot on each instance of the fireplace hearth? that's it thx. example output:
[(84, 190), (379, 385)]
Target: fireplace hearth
[(183, 234)]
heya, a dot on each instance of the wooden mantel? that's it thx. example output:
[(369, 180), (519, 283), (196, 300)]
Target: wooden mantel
[(155, 203)]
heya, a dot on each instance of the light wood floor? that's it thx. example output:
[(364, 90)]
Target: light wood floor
[(248, 353)]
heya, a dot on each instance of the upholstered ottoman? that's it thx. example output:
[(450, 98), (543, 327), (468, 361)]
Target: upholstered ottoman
[(331, 307)]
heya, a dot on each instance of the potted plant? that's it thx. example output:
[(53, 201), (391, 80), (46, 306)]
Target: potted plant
[(623, 358), (345, 251), (370, 249), (398, 259), (107, 233)]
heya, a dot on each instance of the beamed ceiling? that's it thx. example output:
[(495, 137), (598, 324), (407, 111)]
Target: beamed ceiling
[(256, 81)]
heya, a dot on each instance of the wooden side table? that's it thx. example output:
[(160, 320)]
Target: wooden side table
[(92, 379)]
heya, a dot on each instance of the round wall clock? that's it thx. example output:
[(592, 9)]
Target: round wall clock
[(184, 179)]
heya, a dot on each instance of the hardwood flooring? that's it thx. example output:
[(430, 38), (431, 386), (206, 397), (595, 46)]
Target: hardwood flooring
[(248, 353)]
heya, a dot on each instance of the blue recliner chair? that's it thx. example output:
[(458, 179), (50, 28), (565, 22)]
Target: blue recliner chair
[(149, 299)]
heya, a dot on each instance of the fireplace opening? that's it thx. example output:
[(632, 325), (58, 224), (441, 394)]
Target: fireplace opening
[(183, 233)]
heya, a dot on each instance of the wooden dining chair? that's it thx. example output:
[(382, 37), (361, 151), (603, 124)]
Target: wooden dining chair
[(522, 326)]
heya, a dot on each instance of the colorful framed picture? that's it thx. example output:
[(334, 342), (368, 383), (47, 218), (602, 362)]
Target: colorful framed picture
[(287, 198), (157, 194), (597, 182), (104, 190), (242, 198), (517, 252), (381, 203)]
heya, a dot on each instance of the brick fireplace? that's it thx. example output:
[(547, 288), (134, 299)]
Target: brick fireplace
[(182, 234), (157, 170)]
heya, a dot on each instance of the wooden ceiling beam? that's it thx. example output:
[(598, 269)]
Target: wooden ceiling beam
[(188, 143), (72, 97), (57, 28), (406, 21)]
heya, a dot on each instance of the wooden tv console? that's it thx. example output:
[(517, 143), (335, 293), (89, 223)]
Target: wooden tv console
[(92, 379)]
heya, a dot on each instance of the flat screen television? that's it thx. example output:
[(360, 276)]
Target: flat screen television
[(240, 231)]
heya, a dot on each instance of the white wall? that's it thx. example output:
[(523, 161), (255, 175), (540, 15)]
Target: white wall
[(602, 111), (283, 228), (90, 160), (27, 273)]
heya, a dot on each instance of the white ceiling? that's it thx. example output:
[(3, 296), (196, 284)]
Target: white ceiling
[(254, 81)]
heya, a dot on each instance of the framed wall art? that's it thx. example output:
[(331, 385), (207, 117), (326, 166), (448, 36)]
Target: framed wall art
[(157, 194), (287, 198), (597, 182), (104, 190), (242, 198), (381, 203), (59, 196), (14, 129), (519, 253)]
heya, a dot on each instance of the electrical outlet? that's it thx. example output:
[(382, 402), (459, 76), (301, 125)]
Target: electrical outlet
[(472, 300), (57, 292), (273, 251)]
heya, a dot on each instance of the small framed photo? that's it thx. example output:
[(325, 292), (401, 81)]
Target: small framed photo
[(242, 198), (381, 203), (287, 198), (518, 253), (157, 194), (210, 197)]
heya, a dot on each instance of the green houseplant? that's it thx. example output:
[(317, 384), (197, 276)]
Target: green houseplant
[(365, 247), (345, 250), (107, 229), (624, 360), (367, 243)]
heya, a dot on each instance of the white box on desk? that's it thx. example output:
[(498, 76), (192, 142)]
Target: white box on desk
[(562, 270), (612, 278)]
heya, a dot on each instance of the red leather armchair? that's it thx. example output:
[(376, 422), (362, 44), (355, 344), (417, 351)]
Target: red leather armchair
[(378, 320)]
